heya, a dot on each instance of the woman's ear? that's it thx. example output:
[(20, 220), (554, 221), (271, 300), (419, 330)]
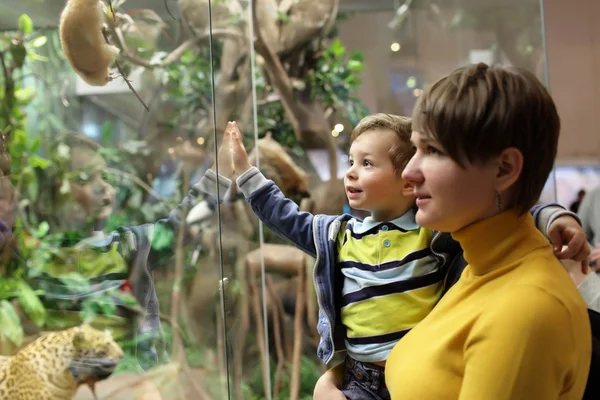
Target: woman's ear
[(510, 167)]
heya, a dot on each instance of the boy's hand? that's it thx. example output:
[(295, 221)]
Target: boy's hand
[(240, 158), (224, 158), (569, 241)]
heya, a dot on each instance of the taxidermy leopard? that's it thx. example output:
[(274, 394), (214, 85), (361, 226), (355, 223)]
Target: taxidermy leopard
[(53, 366)]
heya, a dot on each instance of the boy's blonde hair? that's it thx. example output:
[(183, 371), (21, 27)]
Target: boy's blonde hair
[(401, 153)]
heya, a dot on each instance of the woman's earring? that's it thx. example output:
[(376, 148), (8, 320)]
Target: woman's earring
[(499, 201)]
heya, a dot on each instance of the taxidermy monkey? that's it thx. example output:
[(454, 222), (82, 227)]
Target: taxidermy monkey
[(83, 43)]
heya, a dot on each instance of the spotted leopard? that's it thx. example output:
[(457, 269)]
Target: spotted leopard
[(53, 366)]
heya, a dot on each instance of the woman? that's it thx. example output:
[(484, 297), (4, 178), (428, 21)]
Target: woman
[(513, 326)]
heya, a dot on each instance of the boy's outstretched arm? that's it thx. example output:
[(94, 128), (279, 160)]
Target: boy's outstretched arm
[(278, 213)]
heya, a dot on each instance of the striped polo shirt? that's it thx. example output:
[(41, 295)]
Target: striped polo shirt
[(391, 282)]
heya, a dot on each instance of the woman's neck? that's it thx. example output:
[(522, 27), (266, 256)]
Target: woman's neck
[(498, 240)]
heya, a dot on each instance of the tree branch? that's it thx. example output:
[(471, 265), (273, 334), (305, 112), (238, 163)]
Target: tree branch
[(138, 182), (278, 76), (105, 34)]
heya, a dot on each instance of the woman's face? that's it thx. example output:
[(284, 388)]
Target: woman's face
[(90, 186), (449, 196)]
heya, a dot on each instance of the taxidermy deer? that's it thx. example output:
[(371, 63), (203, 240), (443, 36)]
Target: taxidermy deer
[(83, 42)]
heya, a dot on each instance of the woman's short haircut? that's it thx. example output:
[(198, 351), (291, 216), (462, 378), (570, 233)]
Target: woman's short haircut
[(478, 111)]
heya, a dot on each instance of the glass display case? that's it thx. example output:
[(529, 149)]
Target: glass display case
[(112, 223)]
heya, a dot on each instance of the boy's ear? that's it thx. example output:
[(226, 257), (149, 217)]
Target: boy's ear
[(408, 190)]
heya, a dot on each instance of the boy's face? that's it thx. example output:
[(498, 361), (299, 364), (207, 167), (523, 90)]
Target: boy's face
[(90, 187), (371, 181)]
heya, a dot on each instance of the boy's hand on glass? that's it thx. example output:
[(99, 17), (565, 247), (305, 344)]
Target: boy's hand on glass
[(224, 158), (569, 241), (240, 158)]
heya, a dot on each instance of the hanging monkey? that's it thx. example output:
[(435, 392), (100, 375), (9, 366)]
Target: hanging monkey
[(83, 42)]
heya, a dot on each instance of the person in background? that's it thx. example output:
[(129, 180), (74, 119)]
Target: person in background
[(589, 213), (574, 207)]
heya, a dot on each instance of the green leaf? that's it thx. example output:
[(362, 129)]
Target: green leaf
[(10, 324), (25, 94), (39, 41), (25, 24), (162, 238), (283, 17), (337, 48), (355, 65), (106, 135), (42, 230), (35, 144), (31, 305), (18, 53), (33, 190), (37, 57), (39, 162)]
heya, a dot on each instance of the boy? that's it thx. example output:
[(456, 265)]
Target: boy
[(375, 279)]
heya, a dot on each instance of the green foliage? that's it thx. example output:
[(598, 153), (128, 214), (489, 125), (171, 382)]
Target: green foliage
[(336, 80), (189, 85), (162, 238), (334, 83), (10, 324)]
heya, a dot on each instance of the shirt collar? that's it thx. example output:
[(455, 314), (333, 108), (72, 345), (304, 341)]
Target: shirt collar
[(405, 222)]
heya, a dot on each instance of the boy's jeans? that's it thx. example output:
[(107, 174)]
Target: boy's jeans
[(364, 381)]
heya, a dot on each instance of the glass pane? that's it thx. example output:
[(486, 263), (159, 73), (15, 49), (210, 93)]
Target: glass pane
[(103, 223)]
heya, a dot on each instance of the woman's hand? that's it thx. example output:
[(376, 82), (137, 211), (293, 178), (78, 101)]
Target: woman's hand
[(329, 385), (569, 241)]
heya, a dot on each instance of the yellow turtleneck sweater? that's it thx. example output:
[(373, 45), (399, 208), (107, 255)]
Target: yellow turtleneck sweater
[(513, 327)]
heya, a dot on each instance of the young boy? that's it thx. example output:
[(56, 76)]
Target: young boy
[(375, 279)]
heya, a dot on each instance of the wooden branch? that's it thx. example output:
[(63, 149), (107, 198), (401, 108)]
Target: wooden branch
[(278, 321), (298, 335), (278, 76), (105, 34), (169, 10), (178, 350), (138, 182), (174, 55), (260, 332)]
